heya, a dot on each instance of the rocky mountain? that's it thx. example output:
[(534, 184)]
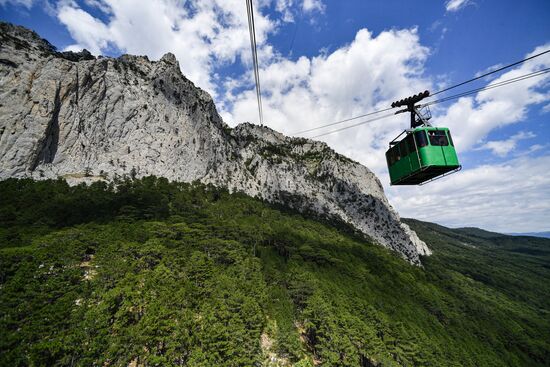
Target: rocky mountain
[(73, 115)]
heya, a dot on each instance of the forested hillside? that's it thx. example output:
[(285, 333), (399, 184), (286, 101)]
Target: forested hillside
[(153, 273)]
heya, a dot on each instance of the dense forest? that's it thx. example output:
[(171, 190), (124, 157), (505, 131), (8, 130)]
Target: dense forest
[(153, 273)]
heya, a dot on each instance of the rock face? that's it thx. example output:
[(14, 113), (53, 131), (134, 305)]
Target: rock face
[(80, 117)]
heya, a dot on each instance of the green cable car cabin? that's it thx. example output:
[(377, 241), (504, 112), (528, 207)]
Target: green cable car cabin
[(425, 153)]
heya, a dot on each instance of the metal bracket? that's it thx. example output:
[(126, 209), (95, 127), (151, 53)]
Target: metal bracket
[(401, 111), (410, 103), (422, 118)]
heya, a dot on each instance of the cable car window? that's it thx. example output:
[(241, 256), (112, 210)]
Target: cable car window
[(392, 155), (403, 148), (395, 154), (450, 139), (438, 138), (420, 137), (410, 143), (389, 158)]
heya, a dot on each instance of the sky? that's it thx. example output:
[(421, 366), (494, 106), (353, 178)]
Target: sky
[(327, 60)]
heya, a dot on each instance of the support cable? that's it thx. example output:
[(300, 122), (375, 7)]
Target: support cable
[(438, 92), (473, 91), (354, 125), (496, 85), (342, 121), (296, 25), (253, 47), (491, 72)]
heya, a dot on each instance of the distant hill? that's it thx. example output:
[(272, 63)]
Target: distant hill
[(493, 258), (532, 234), (477, 232), (487, 234)]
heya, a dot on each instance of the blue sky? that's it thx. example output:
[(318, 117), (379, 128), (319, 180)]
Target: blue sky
[(323, 61)]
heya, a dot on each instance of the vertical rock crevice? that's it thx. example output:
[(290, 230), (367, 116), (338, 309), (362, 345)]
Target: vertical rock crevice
[(48, 145)]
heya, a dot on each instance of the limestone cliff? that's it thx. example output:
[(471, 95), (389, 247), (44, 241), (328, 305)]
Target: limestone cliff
[(76, 116)]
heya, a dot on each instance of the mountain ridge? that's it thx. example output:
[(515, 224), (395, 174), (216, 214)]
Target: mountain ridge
[(84, 118), (545, 234)]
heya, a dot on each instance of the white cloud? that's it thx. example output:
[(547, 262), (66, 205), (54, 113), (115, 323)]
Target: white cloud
[(489, 69), (532, 149), (455, 5), (503, 147), (472, 118), (313, 5), (25, 3), (91, 33), (513, 196), (216, 31), (98, 4), (285, 8)]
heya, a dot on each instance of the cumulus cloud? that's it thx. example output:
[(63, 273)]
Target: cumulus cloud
[(216, 31), (513, 196), (489, 69), (472, 118), (285, 7), (313, 5), (98, 4), (25, 3), (455, 5), (502, 148), (91, 33)]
